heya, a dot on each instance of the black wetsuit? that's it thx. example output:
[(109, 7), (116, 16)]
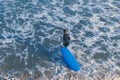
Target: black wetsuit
[(66, 39)]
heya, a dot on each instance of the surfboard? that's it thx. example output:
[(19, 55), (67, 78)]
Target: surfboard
[(69, 59)]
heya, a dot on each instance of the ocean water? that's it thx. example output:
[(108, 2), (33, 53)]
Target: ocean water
[(31, 35)]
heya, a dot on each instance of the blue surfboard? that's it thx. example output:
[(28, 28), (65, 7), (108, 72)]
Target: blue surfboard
[(70, 60)]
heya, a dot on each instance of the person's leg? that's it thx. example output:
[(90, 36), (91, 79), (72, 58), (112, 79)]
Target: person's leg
[(66, 44)]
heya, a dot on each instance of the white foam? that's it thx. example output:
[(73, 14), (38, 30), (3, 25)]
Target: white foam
[(90, 69), (35, 2), (89, 41)]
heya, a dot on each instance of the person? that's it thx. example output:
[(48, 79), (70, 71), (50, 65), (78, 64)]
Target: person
[(66, 38)]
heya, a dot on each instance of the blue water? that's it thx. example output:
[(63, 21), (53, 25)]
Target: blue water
[(31, 35)]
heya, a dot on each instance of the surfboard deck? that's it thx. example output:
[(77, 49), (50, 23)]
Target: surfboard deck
[(69, 59)]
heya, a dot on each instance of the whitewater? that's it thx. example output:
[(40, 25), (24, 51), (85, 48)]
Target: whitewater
[(31, 36)]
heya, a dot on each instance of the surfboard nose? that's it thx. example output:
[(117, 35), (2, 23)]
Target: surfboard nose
[(77, 68)]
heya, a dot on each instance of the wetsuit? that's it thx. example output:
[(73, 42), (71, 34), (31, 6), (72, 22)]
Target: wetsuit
[(66, 39)]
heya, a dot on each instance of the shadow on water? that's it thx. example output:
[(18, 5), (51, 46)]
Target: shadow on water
[(58, 58)]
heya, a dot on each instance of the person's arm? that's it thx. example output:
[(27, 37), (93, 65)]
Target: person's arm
[(63, 37), (69, 37)]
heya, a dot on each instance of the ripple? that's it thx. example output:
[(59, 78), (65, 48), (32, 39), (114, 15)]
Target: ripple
[(31, 33), (97, 10), (68, 11)]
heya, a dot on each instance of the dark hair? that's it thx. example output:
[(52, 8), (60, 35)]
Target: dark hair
[(65, 30)]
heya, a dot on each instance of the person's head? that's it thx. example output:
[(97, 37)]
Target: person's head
[(65, 31)]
